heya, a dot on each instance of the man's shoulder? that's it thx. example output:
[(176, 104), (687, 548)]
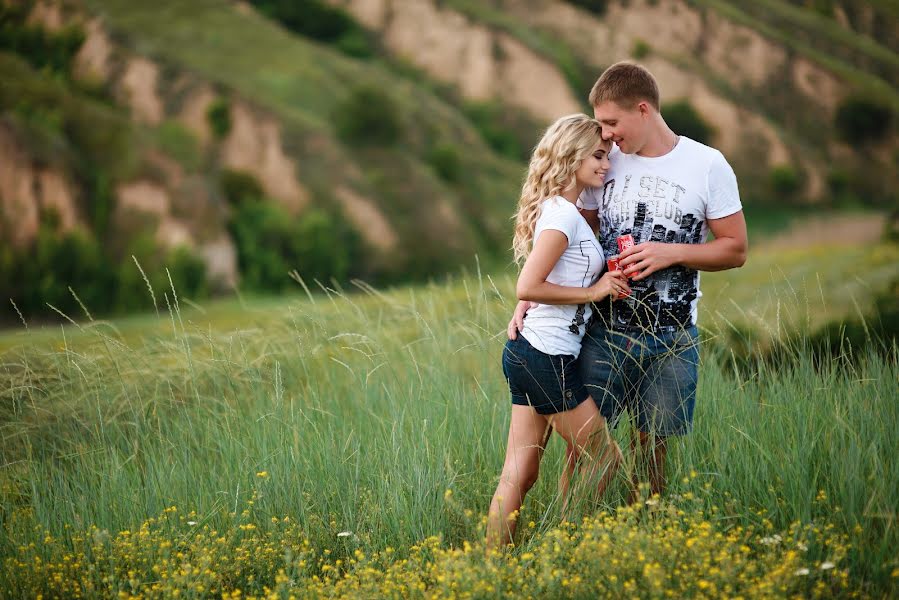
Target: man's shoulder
[(700, 152)]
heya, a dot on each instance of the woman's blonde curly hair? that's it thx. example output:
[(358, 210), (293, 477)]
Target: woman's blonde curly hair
[(566, 143)]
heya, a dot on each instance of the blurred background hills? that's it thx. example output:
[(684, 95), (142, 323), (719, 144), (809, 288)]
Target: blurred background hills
[(233, 142)]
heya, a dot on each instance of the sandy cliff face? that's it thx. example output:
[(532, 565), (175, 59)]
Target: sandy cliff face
[(483, 63), (27, 189), (254, 145), (692, 52)]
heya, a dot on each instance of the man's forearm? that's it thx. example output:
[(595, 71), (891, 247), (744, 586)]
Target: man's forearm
[(718, 255)]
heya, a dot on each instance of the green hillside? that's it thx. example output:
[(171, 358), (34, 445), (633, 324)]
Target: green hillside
[(355, 124), (304, 84)]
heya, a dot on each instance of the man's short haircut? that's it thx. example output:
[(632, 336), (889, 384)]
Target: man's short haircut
[(626, 84)]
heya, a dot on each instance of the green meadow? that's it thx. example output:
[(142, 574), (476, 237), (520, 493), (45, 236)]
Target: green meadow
[(346, 443)]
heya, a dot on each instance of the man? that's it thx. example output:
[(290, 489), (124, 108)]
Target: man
[(667, 192)]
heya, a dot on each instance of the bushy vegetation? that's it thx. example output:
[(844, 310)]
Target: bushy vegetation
[(641, 50), (786, 182), (320, 21), (71, 273), (683, 119), (271, 243), (219, 117), (859, 120), (42, 49), (368, 116), (509, 132), (598, 7), (444, 159)]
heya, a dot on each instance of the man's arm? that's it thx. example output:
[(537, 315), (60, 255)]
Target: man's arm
[(592, 218), (727, 251)]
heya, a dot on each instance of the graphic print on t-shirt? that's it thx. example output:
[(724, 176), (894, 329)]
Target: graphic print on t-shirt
[(651, 213), (578, 321)]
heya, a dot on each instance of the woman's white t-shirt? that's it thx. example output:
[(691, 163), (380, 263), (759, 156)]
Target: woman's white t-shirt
[(559, 328)]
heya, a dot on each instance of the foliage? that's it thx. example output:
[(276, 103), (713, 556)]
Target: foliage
[(271, 243), (785, 182), (860, 120), (219, 117), (41, 48), (685, 120), (60, 267), (144, 268), (641, 50), (320, 21), (509, 133), (445, 160), (368, 116), (598, 7), (239, 187)]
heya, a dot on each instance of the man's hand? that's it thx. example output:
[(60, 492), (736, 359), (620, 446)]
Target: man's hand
[(640, 261), (517, 322)]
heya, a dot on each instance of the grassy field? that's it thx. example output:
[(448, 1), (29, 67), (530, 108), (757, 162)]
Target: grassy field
[(347, 445)]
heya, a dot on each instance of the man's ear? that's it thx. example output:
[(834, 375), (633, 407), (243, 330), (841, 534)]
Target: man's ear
[(644, 108)]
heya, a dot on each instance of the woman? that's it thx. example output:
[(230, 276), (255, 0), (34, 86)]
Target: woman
[(561, 261)]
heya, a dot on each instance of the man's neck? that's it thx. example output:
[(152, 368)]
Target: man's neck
[(661, 141)]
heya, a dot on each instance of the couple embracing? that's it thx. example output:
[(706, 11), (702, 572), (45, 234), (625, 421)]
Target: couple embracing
[(588, 342)]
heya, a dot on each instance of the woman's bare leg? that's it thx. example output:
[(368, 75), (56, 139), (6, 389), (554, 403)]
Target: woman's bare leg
[(527, 439), (589, 443)]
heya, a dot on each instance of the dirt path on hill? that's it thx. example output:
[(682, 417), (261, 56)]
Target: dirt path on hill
[(848, 229)]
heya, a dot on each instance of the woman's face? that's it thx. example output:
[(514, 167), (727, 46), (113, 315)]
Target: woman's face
[(592, 171)]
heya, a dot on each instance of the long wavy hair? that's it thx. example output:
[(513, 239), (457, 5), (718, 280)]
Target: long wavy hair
[(566, 143)]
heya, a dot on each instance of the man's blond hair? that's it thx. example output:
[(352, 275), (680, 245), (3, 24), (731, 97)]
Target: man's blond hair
[(625, 84)]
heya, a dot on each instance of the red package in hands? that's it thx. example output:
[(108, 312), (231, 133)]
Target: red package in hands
[(625, 242), (612, 263)]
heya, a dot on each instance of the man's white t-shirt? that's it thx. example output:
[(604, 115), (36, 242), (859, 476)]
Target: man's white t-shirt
[(668, 199), (559, 328)]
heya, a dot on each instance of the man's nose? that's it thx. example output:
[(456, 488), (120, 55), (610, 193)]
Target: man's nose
[(606, 134)]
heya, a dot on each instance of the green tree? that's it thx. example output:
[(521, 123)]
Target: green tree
[(860, 119), (685, 120), (368, 116)]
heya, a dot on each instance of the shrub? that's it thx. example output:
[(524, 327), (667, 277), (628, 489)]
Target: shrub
[(43, 273), (785, 181), (219, 117), (355, 43), (368, 116), (319, 21), (444, 159), (270, 243), (41, 48), (595, 6), (503, 129), (684, 120), (860, 120), (641, 50), (240, 187), (187, 271)]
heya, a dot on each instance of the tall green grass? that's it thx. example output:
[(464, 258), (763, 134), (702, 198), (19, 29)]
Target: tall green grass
[(363, 409)]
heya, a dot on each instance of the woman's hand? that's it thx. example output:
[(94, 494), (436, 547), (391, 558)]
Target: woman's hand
[(612, 283), (517, 322)]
